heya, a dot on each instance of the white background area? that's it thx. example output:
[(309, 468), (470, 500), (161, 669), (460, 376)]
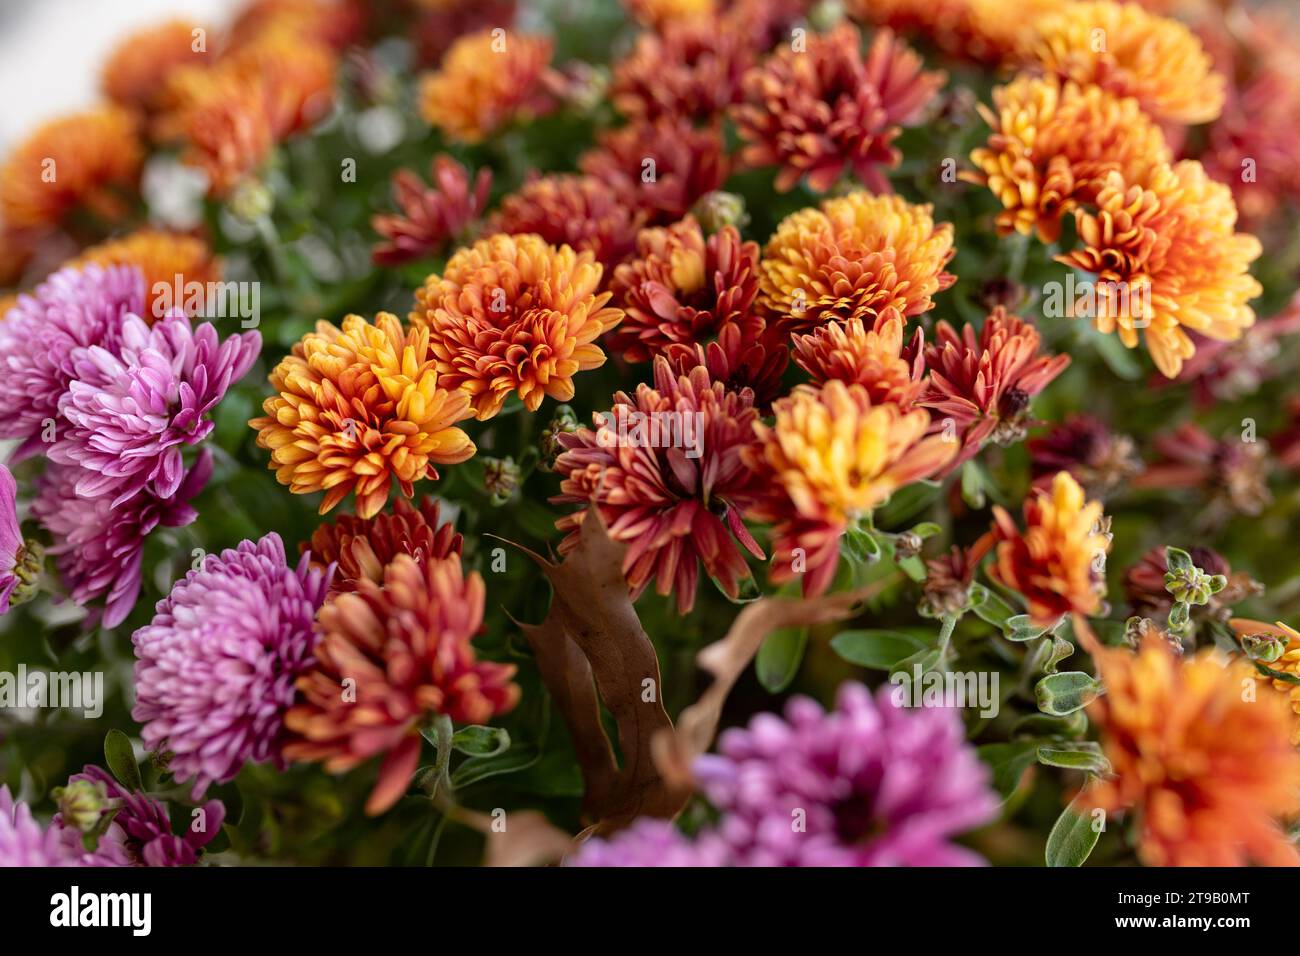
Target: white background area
[(51, 51)]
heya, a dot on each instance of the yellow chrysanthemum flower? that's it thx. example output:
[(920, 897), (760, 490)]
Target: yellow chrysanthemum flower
[(358, 407)]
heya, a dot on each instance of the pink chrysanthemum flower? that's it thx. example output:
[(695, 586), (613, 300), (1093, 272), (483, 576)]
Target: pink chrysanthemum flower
[(11, 538), (42, 333), (215, 670), (131, 410), (24, 842), (99, 543)]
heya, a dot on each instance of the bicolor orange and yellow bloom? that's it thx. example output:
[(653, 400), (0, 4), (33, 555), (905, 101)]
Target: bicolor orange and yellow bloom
[(1130, 52), (514, 315), (1168, 260), (1057, 563), (1205, 764), (486, 80), (854, 255), (360, 406), (829, 459), (1052, 144)]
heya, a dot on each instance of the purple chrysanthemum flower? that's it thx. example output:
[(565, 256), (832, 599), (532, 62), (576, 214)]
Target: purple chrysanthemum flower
[(650, 842), (141, 831), (24, 842), (130, 410), (11, 538), (215, 670), (100, 544), (867, 784), (74, 309)]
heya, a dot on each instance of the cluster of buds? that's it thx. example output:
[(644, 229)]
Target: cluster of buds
[(563, 422), (1189, 585), (501, 478)]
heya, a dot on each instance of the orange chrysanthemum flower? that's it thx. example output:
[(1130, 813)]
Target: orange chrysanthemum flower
[(168, 260), (1057, 563), (138, 68), (296, 73), (983, 382), (566, 209), (660, 167), (1125, 49), (677, 500), (1167, 258), (1207, 767), (224, 121), (486, 80), (1287, 662), (83, 162), (828, 460), (691, 69), (1052, 144), (512, 314), (358, 407), (362, 547), (334, 22), (874, 357), (390, 656), (824, 110), (684, 288), (856, 255), (657, 13)]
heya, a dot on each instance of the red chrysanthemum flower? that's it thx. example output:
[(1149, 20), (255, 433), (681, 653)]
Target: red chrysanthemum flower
[(820, 111), (1098, 459), (391, 656), (362, 547), (739, 360), (431, 216), (566, 209), (691, 69), (660, 167), (684, 288), (664, 468), (981, 382)]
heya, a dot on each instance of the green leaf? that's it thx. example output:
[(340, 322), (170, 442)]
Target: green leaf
[(926, 529), (1179, 616), (1021, 627), (120, 757), (1008, 762), (475, 769), (879, 650), (779, 658), (990, 607), (1176, 559), (906, 503), (861, 545), (1082, 757), (1061, 649), (972, 485), (1041, 725), (479, 741), (1064, 693), (925, 658), (1072, 838)]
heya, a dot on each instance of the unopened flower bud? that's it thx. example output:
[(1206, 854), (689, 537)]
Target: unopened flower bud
[(1265, 648), (30, 562), (1192, 585), (907, 545), (717, 209), (251, 201), (81, 803), (564, 421), (500, 478)]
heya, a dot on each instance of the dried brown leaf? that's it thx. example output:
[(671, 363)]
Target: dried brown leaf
[(592, 636)]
